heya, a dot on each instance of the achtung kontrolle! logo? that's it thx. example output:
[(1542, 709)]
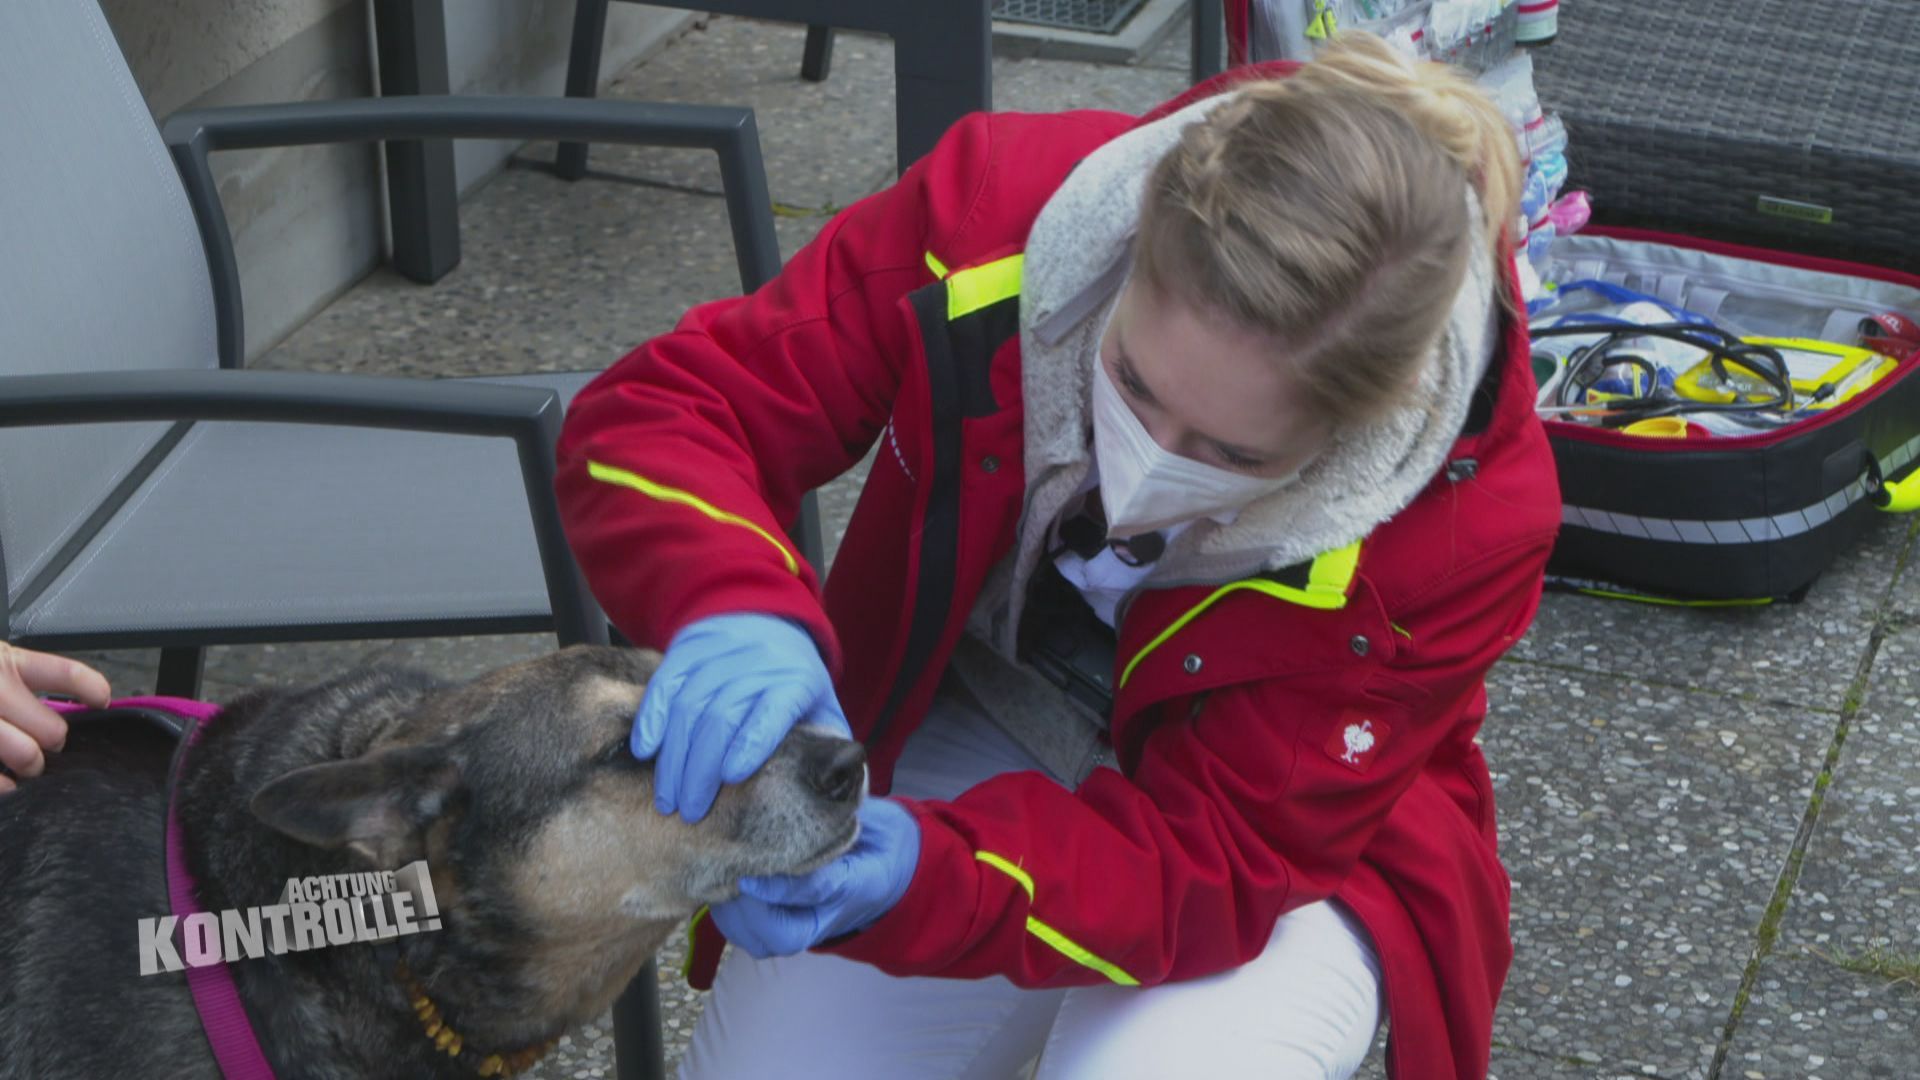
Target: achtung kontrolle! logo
[(313, 912)]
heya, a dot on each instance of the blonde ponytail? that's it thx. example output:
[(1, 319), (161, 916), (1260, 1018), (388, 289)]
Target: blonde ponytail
[(1443, 103), (1329, 210)]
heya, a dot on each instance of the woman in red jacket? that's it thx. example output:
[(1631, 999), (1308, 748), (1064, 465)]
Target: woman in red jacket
[(1207, 489)]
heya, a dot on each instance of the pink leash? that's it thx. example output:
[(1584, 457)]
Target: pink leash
[(214, 995)]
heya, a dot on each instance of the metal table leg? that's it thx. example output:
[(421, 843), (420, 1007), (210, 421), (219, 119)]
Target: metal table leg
[(583, 77), (639, 1045), (818, 58), (422, 199), (1209, 43), (942, 70)]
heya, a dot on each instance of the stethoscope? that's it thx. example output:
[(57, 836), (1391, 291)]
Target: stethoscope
[(1587, 365)]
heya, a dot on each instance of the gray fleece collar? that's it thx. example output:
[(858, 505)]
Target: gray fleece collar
[(1077, 256)]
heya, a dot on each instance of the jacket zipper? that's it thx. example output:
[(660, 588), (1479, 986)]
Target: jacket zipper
[(940, 525)]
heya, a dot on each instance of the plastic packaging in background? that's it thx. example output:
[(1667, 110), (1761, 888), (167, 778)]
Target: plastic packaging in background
[(1289, 29), (1478, 36), (1540, 243), (1406, 32), (1474, 34), (1565, 216), (1544, 137), (1570, 213), (1510, 84), (1545, 177), (1553, 166), (1532, 291), (1539, 22), (1460, 30)]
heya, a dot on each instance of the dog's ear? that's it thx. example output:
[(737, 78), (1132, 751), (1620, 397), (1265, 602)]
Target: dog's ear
[(377, 806)]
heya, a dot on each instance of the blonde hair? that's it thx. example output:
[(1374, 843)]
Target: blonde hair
[(1329, 210)]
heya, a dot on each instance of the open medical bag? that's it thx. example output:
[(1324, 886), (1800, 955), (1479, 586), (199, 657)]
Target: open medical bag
[(1696, 507)]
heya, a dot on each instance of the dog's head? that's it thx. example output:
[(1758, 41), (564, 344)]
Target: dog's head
[(539, 828)]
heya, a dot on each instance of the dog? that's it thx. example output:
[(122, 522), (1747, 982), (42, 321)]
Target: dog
[(555, 878)]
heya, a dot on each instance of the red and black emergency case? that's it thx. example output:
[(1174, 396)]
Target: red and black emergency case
[(1747, 518)]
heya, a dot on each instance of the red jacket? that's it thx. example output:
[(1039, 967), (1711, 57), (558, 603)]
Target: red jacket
[(1305, 735)]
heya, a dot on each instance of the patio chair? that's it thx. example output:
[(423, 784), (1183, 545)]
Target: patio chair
[(153, 493)]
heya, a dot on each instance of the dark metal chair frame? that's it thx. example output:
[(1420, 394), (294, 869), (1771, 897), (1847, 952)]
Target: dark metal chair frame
[(530, 416)]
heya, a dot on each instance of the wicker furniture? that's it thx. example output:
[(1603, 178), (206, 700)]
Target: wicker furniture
[(1789, 124)]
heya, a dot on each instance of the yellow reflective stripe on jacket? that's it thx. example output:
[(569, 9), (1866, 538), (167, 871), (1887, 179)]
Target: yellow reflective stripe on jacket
[(982, 286), (693, 925), (1060, 942), (1328, 581), (939, 268), (621, 477), (1008, 869)]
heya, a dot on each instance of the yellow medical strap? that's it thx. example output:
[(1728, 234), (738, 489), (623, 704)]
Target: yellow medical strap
[(1060, 942), (1324, 24), (978, 287), (622, 478), (1328, 581), (1668, 601)]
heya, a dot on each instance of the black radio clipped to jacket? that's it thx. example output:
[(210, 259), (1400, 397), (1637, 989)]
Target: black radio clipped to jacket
[(1062, 639)]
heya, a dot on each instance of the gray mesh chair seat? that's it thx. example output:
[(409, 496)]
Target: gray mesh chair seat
[(250, 531)]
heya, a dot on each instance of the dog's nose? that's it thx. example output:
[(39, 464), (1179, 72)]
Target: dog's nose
[(836, 768)]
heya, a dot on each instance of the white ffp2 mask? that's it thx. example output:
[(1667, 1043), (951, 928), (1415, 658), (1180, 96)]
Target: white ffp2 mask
[(1144, 487)]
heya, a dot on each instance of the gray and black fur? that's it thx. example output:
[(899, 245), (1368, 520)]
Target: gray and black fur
[(555, 877)]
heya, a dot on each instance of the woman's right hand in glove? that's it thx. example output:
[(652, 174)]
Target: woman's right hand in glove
[(728, 689)]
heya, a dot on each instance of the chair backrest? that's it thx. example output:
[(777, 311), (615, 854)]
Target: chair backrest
[(101, 267)]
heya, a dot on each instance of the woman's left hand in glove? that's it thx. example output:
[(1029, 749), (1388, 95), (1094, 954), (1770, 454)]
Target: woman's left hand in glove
[(783, 915)]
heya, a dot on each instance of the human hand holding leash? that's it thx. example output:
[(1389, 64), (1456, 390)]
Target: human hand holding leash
[(29, 731), (780, 916), (729, 688)]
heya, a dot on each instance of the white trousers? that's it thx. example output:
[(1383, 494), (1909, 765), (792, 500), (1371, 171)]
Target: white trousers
[(1307, 1007)]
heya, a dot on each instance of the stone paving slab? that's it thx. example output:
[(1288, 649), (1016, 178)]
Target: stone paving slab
[(825, 144), (1049, 86), (1510, 1063), (1804, 653), (554, 277), (1644, 827), (1858, 893), (1513, 1063), (1904, 598)]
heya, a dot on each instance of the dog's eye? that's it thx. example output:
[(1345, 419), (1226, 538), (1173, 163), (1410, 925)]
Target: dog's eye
[(616, 755)]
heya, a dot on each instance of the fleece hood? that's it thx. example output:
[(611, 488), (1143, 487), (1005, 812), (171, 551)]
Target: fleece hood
[(1078, 255)]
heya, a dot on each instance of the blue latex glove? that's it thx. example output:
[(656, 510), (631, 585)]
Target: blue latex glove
[(780, 916), (728, 689)]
